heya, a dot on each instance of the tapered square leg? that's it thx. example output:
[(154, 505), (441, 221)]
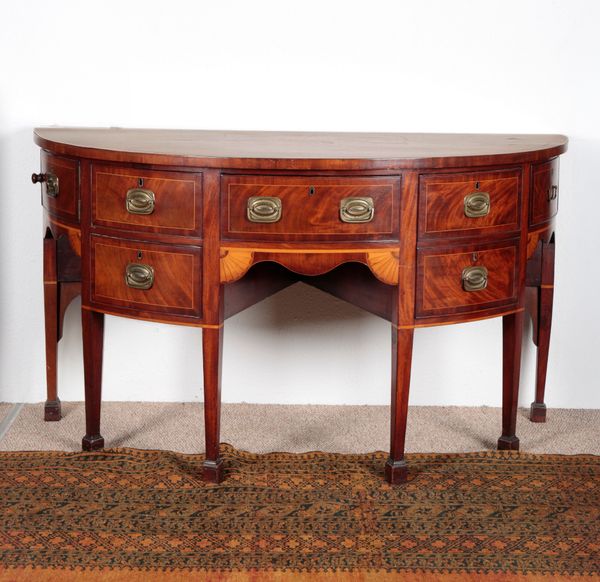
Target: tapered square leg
[(544, 322), (396, 470), (212, 353), (512, 332), (93, 343), (51, 314)]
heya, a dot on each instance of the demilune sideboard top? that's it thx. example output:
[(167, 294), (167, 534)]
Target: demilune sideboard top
[(191, 227)]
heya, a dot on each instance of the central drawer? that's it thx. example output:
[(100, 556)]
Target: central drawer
[(310, 208), (141, 276)]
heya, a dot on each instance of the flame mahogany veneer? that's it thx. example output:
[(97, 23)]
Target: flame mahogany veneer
[(191, 227)]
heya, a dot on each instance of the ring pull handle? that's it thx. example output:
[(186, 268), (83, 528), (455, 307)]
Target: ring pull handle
[(139, 276), (139, 201), (474, 278), (51, 181), (263, 209), (357, 209), (477, 204), (552, 193)]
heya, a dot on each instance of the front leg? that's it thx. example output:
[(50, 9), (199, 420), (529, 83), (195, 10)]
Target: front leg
[(512, 330), (396, 470), (93, 340), (212, 352)]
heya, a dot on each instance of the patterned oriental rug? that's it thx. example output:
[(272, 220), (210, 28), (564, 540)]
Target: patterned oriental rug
[(134, 515)]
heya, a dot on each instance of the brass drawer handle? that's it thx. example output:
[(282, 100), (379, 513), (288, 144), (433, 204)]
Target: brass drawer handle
[(51, 183), (477, 204), (357, 209), (474, 278), (139, 276), (552, 193), (139, 201), (264, 209)]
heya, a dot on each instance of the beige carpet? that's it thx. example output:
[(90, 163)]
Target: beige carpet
[(295, 428)]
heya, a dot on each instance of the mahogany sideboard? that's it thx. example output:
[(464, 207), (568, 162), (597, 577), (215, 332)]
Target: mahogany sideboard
[(191, 227)]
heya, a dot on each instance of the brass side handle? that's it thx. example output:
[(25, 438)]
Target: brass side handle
[(140, 201), (552, 193), (139, 276), (477, 204), (51, 181), (357, 209), (264, 209), (474, 278)]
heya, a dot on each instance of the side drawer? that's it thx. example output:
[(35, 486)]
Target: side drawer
[(469, 203), (147, 200), (544, 192), (145, 276), (466, 279), (61, 198), (310, 208)]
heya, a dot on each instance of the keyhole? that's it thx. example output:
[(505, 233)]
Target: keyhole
[(311, 190), (140, 182), (139, 255), (475, 257), (477, 185)]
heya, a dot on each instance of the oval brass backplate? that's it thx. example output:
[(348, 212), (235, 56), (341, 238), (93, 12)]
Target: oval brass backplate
[(477, 204), (139, 201), (357, 209), (263, 209), (139, 276), (474, 278)]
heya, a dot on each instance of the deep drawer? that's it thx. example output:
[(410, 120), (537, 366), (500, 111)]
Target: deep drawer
[(469, 203), (147, 200), (466, 279), (544, 192), (145, 276), (310, 208), (60, 195)]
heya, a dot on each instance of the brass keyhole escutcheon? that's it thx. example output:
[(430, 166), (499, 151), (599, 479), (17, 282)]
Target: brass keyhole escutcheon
[(139, 255), (140, 182)]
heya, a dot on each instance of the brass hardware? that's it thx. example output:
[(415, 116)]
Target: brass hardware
[(474, 278), (139, 276), (140, 182), (139, 201), (552, 193), (477, 204), (264, 209), (51, 183), (357, 209)]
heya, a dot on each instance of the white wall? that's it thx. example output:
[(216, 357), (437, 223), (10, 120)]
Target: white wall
[(440, 66)]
